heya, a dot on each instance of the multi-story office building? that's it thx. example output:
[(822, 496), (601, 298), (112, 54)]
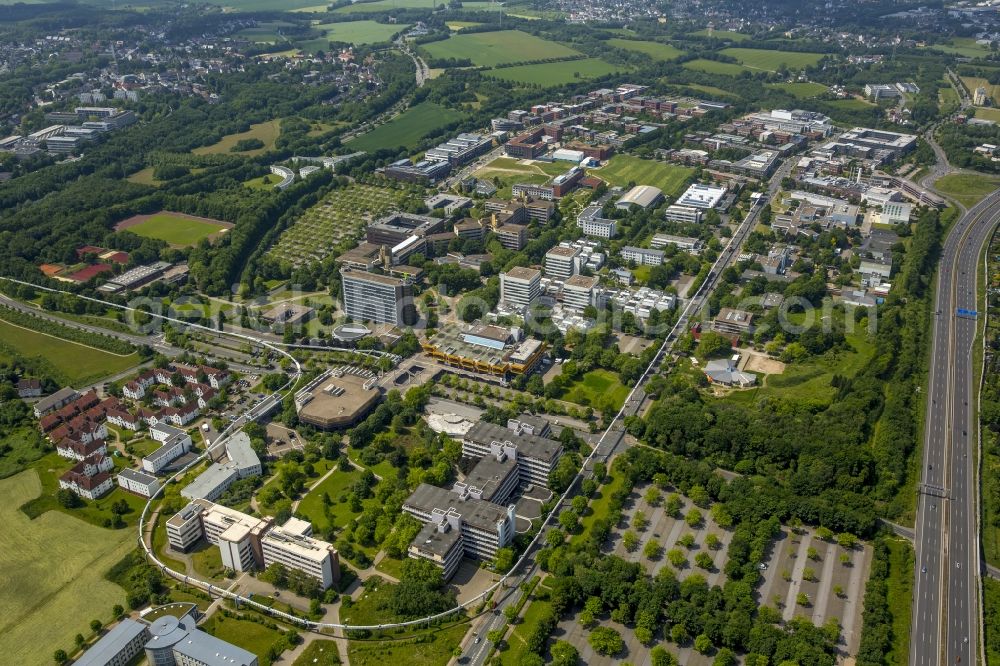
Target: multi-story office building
[(174, 443), (393, 229), (685, 243), (293, 546), (520, 286), (178, 642), (511, 236), (494, 478), (702, 196), (378, 298), (485, 527), (536, 456), (579, 291), (462, 149), (642, 256), (593, 224), (237, 535), (439, 543), (677, 213), (137, 482), (534, 191), (733, 322), (562, 262)]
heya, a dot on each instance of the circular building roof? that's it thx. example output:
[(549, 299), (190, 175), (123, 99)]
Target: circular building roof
[(350, 332)]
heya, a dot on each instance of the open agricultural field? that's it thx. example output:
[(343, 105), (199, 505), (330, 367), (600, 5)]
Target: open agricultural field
[(360, 32), (710, 90), (967, 188), (458, 25), (984, 112), (973, 82), (338, 217), (266, 32), (771, 61), (73, 363), (599, 389), (714, 67), (722, 34), (965, 47), (407, 128), (624, 169), (655, 50), (386, 6), (266, 132), (851, 104), (800, 90), (51, 575), (486, 49), (556, 73), (177, 229)]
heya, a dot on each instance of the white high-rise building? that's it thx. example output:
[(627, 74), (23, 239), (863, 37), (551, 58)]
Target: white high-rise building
[(519, 286)]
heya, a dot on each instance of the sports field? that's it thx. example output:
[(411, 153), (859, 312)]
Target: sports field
[(73, 363), (771, 61), (266, 132), (967, 188), (176, 229), (714, 67), (51, 575), (360, 32), (407, 128), (598, 389), (655, 50), (486, 49), (624, 169), (555, 73), (722, 34), (803, 90)]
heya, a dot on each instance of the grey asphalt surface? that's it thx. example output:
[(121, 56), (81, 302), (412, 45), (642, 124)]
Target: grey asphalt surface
[(946, 593)]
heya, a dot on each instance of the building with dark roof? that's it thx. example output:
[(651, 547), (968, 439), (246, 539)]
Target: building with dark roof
[(536, 456), (485, 527)]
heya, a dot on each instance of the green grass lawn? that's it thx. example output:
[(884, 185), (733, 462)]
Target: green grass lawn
[(655, 50), (517, 647), (387, 6), (991, 613), (714, 67), (407, 128), (264, 183), (965, 47), (361, 32), (800, 90), (600, 504), (710, 90), (266, 32), (722, 34), (391, 566), (23, 446), (486, 49), (319, 653), (458, 25), (433, 648), (556, 73), (809, 380), (771, 61), (51, 575), (266, 132), (967, 189), (70, 362), (207, 560), (175, 229), (851, 104), (250, 636), (900, 594), (597, 389), (337, 486), (983, 112), (623, 169)]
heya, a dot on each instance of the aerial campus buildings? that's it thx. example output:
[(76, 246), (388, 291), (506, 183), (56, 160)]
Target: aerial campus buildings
[(168, 640), (249, 543), (485, 349), (338, 398), (474, 519), (379, 298)]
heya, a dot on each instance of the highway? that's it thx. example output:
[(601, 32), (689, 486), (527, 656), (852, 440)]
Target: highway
[(946, 619)]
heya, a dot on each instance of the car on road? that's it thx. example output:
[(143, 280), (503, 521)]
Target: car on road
[(923, 569)]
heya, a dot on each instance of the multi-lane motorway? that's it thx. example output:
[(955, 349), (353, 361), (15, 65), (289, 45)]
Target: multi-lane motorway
[(945, 622)]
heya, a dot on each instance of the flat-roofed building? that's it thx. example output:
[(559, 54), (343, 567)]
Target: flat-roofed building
[(686, 214), (292, 546), (237, 535), (117, 647), (488, 350), (562, 262), (530, 424), (397, 227), (511, 236), (494, 478), (378, 298), (642, 256), (520, 286), (178, 642), (184, 528), (439, 543), (485, 527), (338, 398), (579, 291), (702, 196), (685, 243), (733, 322), (536, 456), (174, 443)]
